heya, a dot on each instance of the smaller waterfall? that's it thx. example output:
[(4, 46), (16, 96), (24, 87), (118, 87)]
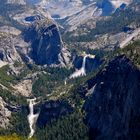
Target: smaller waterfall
[(65, 81), (32, 118)]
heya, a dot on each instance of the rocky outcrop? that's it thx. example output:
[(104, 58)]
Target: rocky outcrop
[(113, 108), (46, 43), (41, 44), (5, 114), (8, 52)]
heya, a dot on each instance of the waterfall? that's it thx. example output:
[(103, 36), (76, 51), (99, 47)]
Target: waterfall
[(81, 71), (84, 62), (32, 118), (84, 66), (65, 81)]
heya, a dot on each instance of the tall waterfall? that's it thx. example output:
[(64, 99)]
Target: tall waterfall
[(32, 118), (81, 71), (84, 65)]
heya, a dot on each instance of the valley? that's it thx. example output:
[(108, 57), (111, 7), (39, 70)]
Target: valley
[(69, 70)]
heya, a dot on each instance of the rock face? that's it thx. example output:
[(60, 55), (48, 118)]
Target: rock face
[(53, 110), (46, 43), (5, 114), (113, 108), (43, 41), (8, 52)]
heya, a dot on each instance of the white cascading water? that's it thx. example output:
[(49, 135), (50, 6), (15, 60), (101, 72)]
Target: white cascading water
[(82, 71), (65, 81), (32, 118)]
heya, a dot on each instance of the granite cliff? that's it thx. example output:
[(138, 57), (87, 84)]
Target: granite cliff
[(113, 108)]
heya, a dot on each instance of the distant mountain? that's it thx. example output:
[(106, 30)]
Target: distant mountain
[(73, 7), (74, 12)]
